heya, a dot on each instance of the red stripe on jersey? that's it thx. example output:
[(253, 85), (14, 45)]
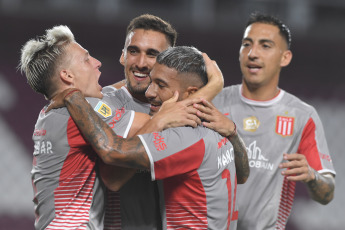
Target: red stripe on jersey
[(112, 218), (73, 196), (308, 146), (286, 202), (181, 162), (185, 202)]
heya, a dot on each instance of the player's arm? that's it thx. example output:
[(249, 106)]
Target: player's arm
[(112, 149), (215, 82), (215, 120), (301, 166), (320, 186)]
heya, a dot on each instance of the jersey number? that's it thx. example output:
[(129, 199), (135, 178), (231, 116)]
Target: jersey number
[(232, 214)]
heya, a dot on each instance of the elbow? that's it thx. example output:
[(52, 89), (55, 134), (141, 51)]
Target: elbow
[(327, 199), (108, 155), (242, 178)]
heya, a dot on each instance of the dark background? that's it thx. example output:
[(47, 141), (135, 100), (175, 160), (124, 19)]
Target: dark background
[(316, 73)]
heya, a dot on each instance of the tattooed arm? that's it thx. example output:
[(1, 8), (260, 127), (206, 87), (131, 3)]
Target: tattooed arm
[(320, 186), (215, 120), (113, 150)]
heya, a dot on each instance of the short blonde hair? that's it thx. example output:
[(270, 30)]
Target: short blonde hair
[(41, 56)]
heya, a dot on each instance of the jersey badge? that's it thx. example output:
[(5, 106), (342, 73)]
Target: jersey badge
[(103, 109), (284, 125), (251, 124)]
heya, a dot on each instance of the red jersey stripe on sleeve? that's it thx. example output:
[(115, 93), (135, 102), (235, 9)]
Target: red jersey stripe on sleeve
[(308, 145)]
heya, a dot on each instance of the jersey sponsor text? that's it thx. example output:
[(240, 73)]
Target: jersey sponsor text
[(256, 159)]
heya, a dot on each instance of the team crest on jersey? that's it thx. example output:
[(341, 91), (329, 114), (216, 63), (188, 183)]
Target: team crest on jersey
[(284, 126), (251, 124), (103, 109)]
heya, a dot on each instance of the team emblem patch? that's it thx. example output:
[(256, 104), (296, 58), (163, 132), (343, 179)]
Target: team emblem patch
[(103, 109), (284, 126), (251, 124)]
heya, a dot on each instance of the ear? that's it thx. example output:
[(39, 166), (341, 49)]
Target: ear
[(66, 77), (286, 58), (191, 90), (122, 58)]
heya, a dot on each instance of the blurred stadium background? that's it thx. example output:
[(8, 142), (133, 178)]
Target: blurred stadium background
[(316, 74)]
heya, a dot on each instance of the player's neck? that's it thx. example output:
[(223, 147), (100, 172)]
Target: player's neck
[(138, 96), (261, 93)]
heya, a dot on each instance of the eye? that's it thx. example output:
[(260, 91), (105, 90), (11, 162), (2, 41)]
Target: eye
[(160, 85), (132, 51), (266, 46), (153, 54)]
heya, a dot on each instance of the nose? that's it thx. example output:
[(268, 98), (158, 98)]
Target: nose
[(97, 63), (253, 52), (142, 62), (150, 92)]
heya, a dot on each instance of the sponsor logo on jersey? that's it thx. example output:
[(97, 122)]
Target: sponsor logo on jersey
[(284, 125), (40, 132), (159, 142), (251, 124), (103, 109), (256, 158), (326, 157), (117, 117), (222, 142)]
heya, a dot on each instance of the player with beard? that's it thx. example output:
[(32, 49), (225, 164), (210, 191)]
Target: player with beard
[(146, 37), (198, 167)]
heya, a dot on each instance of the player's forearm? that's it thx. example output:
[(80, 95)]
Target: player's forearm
[(241, 158), (153, 125), (321, 189), (112, 149)]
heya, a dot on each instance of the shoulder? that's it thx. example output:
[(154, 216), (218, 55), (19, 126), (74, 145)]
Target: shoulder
[(228, 94), (296, 103)]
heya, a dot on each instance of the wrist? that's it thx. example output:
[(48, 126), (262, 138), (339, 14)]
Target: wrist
[(233, 133), (316, 176), (69, 93)]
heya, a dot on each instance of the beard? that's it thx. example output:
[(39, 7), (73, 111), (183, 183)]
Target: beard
[(138, 88)]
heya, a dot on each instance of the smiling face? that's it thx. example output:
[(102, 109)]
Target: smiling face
[(262, 55), (139, 56), (165, 81), (84, 69)]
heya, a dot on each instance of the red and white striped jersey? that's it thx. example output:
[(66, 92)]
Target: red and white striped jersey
[(68, 193), (197, 168), (284, 124)]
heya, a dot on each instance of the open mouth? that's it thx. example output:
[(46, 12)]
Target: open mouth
[(155, 107), (254, 68), (140, 75)]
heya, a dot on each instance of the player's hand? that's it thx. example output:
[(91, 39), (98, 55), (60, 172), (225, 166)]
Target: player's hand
[(177, 114), (214, 74), (58, 100), (297, 168), (214, 119)]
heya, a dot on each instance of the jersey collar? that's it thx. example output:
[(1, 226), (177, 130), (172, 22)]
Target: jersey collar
[(267, 103)]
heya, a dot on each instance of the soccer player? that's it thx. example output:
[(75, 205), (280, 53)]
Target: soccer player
[(280, 130), (196, 165), (147, 36), (67, 190)]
